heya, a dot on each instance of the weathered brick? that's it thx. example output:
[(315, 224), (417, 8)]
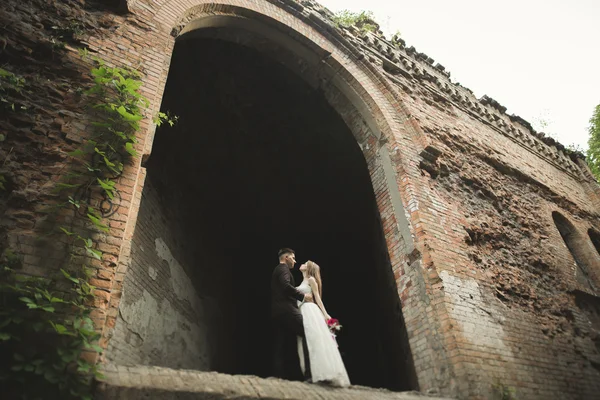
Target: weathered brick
[(491, 292)]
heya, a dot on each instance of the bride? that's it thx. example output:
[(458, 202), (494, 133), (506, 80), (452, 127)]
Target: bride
[(325, 360)]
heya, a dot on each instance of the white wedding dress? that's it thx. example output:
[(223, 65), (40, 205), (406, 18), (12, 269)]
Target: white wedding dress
[(325, 360)]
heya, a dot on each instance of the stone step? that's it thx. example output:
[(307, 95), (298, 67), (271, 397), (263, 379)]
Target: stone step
[(157, 383)]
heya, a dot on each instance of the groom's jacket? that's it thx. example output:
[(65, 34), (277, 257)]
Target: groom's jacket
[(283, 292)]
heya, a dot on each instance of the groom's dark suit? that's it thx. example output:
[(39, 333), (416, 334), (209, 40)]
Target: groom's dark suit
[(287, 321)]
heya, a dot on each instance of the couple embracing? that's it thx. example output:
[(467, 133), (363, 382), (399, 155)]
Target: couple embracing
[(304, 348)]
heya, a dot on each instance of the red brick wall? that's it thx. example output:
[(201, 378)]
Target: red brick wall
[(366, 92), (162, 320), (489, 291), (510, 284), (439, 274)]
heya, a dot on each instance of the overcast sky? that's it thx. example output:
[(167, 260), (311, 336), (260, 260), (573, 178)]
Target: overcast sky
[(538, 58)]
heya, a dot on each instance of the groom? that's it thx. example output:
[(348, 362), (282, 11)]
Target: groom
[(287, 319)]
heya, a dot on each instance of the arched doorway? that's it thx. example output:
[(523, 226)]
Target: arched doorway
[(261, 158)]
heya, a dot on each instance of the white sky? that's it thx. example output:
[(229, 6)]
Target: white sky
[(538, 58)]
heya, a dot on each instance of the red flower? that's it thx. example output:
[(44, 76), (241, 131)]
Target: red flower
[(333, 324)]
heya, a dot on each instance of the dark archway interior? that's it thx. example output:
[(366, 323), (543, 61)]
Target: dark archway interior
[(258, 161), (577, 247)]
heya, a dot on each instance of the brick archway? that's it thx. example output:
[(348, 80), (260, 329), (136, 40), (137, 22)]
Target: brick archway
[(369, 107)]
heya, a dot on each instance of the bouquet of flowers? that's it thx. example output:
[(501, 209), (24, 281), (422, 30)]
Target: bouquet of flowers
[(334, 326)]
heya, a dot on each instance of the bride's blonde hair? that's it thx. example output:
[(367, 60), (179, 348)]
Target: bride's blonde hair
[(313, 269)]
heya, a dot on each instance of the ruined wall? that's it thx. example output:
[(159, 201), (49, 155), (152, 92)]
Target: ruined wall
[(41, 120), (162, 319), (521, 312), (490, 293)]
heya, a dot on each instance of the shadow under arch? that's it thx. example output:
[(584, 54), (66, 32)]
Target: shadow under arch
[(579, 249), (594, 236), (348, 85)]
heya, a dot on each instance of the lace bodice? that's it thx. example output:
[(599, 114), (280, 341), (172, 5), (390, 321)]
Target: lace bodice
[(304, 287)]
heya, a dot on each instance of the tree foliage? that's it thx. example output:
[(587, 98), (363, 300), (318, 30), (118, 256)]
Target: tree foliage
[(593, 153)]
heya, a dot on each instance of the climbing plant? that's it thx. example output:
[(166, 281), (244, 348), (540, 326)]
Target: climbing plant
[(45, 322), (44, 330), (363, 20), (10, 84)]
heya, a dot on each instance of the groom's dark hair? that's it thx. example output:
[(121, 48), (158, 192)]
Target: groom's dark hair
[(285, 250)]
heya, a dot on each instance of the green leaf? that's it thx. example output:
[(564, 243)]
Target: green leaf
[(108, 163), (68, 276), (74, 202), (83, 52), (129, 148), (99, 72), (67, 358), (25, 299), (108, 186), (128, 116), (96, 221), (94, 253), (77, 153), (120, 134), (60, 329), (48, 309), (68, 233), (4, 336), (97, 348)]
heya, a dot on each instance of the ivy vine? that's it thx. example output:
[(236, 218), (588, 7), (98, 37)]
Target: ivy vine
[(45, 323)]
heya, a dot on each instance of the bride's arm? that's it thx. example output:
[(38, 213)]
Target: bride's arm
[(317, 296)]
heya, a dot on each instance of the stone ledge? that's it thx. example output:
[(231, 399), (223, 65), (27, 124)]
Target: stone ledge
[(144, 382)]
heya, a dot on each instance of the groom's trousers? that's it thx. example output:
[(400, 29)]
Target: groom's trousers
[(286, 363)]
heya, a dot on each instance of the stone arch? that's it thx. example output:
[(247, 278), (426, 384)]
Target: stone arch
[(579, 249), (360, 82), (341, 75), (369, 93)]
